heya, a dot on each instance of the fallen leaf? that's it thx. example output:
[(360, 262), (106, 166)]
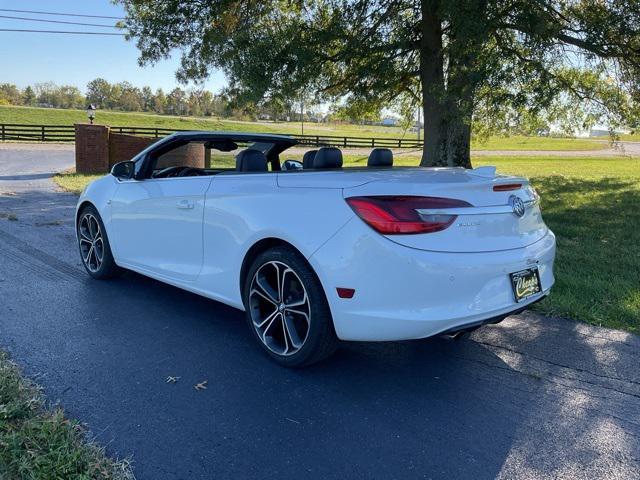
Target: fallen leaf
[(201, 386)]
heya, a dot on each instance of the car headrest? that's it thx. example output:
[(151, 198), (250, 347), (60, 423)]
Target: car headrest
[(328, 157), (307, 159), (380, 157), (251, 160)]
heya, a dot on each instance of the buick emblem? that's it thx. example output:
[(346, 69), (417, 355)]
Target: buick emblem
[(517, 206)]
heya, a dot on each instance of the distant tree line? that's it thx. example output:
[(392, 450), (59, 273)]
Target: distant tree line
[(117, 96), (42, 94), (195, 102)]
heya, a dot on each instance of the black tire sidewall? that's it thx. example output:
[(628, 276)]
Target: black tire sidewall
[(321, 323), (108, 268)]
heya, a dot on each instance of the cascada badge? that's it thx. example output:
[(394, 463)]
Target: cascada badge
[(517, 205)]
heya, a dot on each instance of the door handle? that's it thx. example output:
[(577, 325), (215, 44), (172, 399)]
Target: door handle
[(185, 204)]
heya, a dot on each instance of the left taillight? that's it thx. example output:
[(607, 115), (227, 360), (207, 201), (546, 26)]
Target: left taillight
[(405, 215)]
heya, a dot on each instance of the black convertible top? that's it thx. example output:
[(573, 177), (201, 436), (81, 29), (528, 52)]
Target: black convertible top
[(233, 136)]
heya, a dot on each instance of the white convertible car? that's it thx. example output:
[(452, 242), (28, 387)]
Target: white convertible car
[(314, 252)]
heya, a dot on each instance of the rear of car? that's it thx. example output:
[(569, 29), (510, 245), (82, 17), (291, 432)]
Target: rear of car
[(434, 250)]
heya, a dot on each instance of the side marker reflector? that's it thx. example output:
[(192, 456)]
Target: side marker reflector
[(345, 292)]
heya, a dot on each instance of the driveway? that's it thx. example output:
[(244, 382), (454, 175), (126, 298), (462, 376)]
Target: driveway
[(533, 397)]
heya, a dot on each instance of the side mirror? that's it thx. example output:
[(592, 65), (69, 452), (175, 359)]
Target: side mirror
[(123, 170), (292, 165)]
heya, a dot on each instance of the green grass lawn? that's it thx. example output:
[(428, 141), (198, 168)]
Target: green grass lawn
[(632, 137), (592, 206), (38, 443), (51, 116)]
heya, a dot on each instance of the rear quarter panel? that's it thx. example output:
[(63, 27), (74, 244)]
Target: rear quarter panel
[(241, 210)]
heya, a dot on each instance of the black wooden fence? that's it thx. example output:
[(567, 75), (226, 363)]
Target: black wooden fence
[(37, 133), (66, 133)]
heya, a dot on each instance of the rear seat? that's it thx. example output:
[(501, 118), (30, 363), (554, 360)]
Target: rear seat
[(307, 159), (380, 157), (327, 158)]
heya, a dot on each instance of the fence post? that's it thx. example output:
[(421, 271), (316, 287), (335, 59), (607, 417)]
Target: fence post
[(42, 136), (373, 142), (156, 131), (399, 143), (3, 132), (345, 142)]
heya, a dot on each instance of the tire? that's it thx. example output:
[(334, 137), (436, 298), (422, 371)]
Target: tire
[(298, 331), (92, 242)]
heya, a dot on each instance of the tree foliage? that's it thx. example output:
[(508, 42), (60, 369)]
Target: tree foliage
[(502, 64), (116, 96)]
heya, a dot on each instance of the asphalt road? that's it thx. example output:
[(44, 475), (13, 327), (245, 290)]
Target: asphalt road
[(532, 397)]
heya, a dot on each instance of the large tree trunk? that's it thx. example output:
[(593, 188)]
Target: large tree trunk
[(448, 105), (433, 87)]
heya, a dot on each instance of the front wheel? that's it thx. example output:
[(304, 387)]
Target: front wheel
[(287, 310), (93, 243)]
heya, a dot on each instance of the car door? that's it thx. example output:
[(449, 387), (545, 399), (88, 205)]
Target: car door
[(157, 225), (157, 217)]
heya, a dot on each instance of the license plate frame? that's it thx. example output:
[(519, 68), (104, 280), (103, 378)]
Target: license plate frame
[(525, 283)]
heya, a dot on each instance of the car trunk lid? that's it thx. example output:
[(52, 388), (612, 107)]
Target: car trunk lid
[(504, 212)]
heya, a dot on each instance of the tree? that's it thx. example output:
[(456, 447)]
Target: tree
[(159, 101), (9, 94), (176, 102), (100, 93), (194, 104), (356, 109), (207, 102), (147, 99), (48, 94), (219, 105), (69, 96), (460, 60), (129, 98), (28, 97)]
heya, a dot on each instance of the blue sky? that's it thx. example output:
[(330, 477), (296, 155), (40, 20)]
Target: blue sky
[(28, 58)]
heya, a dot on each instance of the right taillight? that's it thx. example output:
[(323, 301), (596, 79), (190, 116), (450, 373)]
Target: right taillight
[(404, 215)]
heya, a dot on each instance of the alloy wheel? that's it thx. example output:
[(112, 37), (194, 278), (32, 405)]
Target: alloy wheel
[(91, 242), (279, 307)]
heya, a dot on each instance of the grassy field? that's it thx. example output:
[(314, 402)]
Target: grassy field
[(50, 116), (592, 206), (632, 137), (37, 443)]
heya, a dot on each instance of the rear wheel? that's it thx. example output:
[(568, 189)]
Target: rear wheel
[(95, 250), (287, 310)]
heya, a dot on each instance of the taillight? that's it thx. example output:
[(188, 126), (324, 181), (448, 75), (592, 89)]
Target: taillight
[(394, 215), (506, 187)]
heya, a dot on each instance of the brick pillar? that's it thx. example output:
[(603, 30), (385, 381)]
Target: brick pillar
[(190, 155), (125, 147), (92, 148)]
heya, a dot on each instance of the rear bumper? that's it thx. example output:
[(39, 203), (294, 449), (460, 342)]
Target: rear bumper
[(404, 293), (467, 327)]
